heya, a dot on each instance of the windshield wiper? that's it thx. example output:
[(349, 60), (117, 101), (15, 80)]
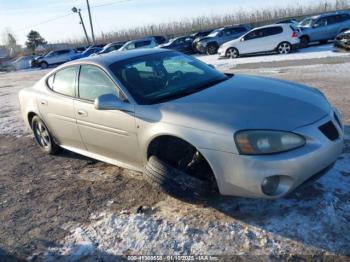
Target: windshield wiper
[(185, 92)]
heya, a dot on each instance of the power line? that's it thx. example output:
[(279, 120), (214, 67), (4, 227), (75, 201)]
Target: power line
[(63, 16), (43, 22)]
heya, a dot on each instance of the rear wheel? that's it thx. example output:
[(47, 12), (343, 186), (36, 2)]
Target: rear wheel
[(304, 41), (212, 49), (232, 53), (43, 137), (284, 48)]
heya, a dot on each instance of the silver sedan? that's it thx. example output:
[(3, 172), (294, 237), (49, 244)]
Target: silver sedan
[(191, 129)]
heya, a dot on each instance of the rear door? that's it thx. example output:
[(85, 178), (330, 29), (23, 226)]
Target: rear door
[(321, 30), (108, 133), (56, 107), (335, 22), (273, 36)]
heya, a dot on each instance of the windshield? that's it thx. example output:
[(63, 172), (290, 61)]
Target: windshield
[(164, 76), (49, 53), (215, 33), (307, 22)]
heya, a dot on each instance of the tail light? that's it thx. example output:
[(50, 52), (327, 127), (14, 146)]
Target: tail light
[(295, 34)]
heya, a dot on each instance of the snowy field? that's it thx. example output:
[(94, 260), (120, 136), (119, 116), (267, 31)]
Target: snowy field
[(314, 220)]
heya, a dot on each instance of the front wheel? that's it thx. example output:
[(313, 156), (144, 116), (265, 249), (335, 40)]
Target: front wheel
[(232, 53), (44, 65), (175, 182), (212, 49), (43, 137), (284, 48)]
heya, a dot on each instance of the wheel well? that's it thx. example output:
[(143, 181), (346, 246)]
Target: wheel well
[(30, 118), (305, 36), (181, 155)]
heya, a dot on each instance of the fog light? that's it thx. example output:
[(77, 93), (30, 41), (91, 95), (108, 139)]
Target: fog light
[(270, 184)]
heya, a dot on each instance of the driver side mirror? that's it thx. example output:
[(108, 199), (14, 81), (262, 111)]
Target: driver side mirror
[(242, 39), (112, 102)]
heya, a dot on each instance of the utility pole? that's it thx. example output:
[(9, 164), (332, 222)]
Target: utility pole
[(92, 28), (76, 10)]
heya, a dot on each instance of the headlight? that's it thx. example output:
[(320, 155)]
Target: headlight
[(260, 142)]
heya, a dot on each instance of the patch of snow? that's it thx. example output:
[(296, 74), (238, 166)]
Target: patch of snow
[(312, 220)]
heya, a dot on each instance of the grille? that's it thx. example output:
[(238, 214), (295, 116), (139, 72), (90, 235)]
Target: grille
[(329, 130)]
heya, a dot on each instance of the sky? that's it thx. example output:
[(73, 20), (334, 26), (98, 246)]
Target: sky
[(20, 16)]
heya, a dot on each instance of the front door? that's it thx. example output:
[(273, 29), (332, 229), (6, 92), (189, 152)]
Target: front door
[(108, 133)]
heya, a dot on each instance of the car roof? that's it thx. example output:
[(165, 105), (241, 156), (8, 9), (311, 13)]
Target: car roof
[(272, 25), (329, 14), (116, 56)]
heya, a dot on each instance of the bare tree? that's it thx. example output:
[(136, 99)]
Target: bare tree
[(10, 42)]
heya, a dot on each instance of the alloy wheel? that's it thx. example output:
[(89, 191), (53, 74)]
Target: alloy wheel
[(41, 134), (232, 53), (284, 48)]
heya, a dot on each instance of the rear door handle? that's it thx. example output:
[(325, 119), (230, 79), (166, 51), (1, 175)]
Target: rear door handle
[(82, 112)]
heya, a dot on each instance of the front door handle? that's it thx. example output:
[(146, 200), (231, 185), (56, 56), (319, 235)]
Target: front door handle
[(43, 102), (82, 112)]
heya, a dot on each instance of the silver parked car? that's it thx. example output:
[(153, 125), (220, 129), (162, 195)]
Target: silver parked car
[(190, 128), (323, 27)]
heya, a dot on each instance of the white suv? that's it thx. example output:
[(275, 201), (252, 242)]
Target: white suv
[(56, 57), (281, 38)]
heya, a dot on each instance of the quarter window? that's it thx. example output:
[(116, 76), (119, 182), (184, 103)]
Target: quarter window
[(93, 83), (273, 31), (64, 81)]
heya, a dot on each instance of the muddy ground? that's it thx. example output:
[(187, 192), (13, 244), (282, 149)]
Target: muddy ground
[(43, 197)]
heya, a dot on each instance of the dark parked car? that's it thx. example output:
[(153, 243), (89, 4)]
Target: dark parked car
[(182, 44), (89, 51), (111, 47), (201, 33), (211, 43), (342, 41)]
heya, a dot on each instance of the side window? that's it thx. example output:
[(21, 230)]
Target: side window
[(345, 17), (273, 31), (64, 81), (322, 22), (255, 34), (143, 43), (239, 30), (93, 82)]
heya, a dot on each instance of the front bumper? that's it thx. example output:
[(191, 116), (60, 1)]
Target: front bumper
[(242, 175), (342, 45)]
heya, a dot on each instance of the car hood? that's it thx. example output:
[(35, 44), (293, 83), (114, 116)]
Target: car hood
[(243, 102)]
